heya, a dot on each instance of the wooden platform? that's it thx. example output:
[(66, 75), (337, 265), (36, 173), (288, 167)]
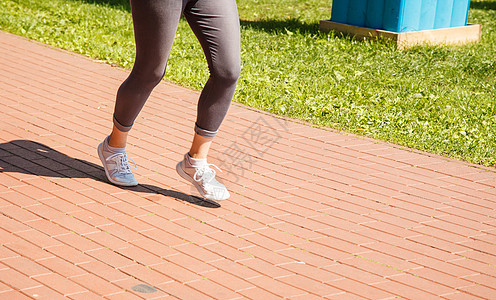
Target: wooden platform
[(455, 35)]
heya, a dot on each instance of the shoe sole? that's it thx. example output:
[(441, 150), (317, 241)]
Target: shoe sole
[(183, 174), (102, 159)]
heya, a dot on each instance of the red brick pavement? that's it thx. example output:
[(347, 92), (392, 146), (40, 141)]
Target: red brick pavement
[(314, 213)]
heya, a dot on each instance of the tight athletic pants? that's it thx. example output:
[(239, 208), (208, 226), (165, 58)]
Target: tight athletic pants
[(216, 25)]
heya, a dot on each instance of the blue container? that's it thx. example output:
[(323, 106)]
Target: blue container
[(357, 12), (375, 14), (401, 15), (427, 14), (339, 11)]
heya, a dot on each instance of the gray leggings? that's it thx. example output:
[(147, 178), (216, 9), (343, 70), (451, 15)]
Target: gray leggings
[(215, 24)]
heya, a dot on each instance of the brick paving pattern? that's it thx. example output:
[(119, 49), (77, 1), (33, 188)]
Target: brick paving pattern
[(314, 213)]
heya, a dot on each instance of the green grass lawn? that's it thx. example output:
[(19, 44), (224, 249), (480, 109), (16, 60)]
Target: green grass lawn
[(438, 99)]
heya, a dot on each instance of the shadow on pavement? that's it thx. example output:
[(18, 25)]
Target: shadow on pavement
[(30, 157)]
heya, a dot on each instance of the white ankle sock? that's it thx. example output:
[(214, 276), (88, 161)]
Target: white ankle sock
[(194, 162), (113, 149)]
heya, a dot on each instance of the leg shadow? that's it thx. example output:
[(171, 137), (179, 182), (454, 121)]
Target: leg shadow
[(30, 157)]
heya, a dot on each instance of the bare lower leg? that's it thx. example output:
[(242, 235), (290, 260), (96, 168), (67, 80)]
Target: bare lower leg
[(117, 138), (200, 146)]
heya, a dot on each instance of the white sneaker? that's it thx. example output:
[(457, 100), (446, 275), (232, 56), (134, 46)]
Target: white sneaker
[(203, 178), (117, 167)]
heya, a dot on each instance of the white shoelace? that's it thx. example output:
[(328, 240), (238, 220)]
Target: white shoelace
[(205, 173), (121, 160)]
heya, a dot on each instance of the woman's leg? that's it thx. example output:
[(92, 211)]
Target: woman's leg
[(117, 138), (155, 23), (200, 147), (216, 25)]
